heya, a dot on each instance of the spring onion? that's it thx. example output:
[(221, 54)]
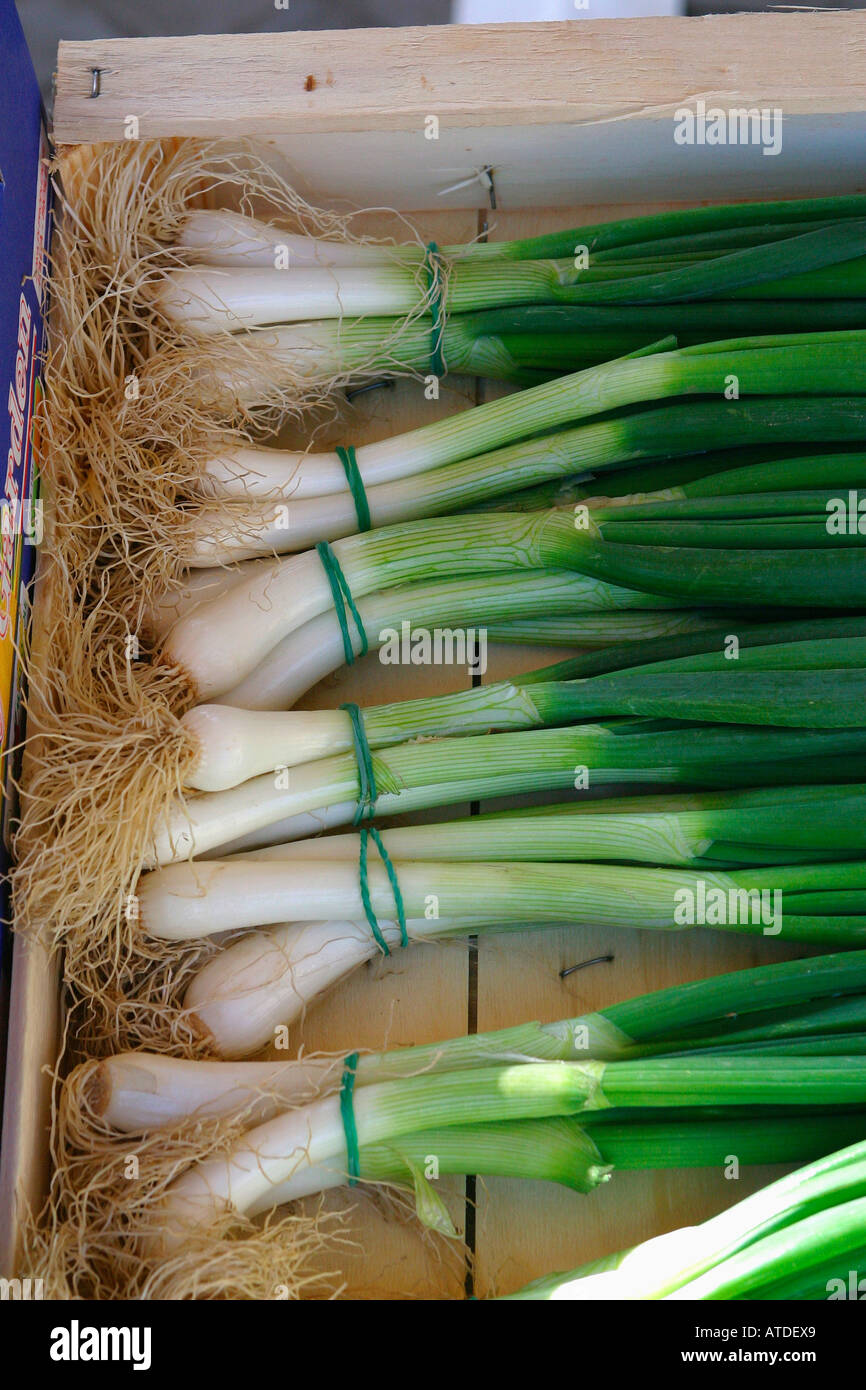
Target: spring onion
[(211, 299), (263, 981), (414, 776), (261, 482), (809, 682), (807, 364), (286, 1154), (791, 1228)]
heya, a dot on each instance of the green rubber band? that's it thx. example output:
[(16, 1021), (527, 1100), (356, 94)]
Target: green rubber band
[(347, 1115), (367, 792), (342, 596), (356, 485), (433, 266), (373, 833)]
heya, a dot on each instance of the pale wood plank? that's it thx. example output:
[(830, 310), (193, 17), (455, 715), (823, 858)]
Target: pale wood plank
[(571, 112), (472, 77)]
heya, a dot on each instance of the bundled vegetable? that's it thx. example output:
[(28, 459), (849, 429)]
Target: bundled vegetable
[(293, 499), (575, 297), (334, 908), (806, 673), (767, 1039), (413, 776), (137, 1092), (330, 915)]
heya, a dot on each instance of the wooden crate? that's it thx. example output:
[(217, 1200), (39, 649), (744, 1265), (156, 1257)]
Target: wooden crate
[(575, 121)]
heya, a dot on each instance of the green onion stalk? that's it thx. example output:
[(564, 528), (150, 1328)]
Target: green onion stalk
[(742, 490), (656, 479), (269, 977), (139, 1092), (311, 929), (402, 625), (799, 674), (258, 484), (219, 642), (416, 775), (805, 365), (525, 345), (580, 1156), (284, 1157), (230, 239), (826, 263), (824, 902), (776, 521), (777, 825), (798, 1238)]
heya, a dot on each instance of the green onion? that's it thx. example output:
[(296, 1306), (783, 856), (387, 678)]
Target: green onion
[(460, 613), (209, 299), (288, 1152), (721, 830), (261, 982), (227, 238), (581, 1157), (644, 279), (810, 364), (526, 344), (254, 616), (786, 1240), (774, 680), (281, 522), (808, 902), (413, 776), (139, 1092)]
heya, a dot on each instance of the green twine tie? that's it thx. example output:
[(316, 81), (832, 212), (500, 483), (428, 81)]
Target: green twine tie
[(356, 485), (367, 792), (433, 266), (342, 596), (347, 1115), (395, 888)]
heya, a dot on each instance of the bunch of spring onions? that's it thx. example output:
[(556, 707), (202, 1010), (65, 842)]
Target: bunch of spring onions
[(277, 500), (763, 1063), (802, 673), (414, 776), (571, 609), (522, 310), (781, 706), (258, 483), (219, 642), (799, 1238), (786, 862)]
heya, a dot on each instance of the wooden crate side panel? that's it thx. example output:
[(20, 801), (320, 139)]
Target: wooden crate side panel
[(576, 111)]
